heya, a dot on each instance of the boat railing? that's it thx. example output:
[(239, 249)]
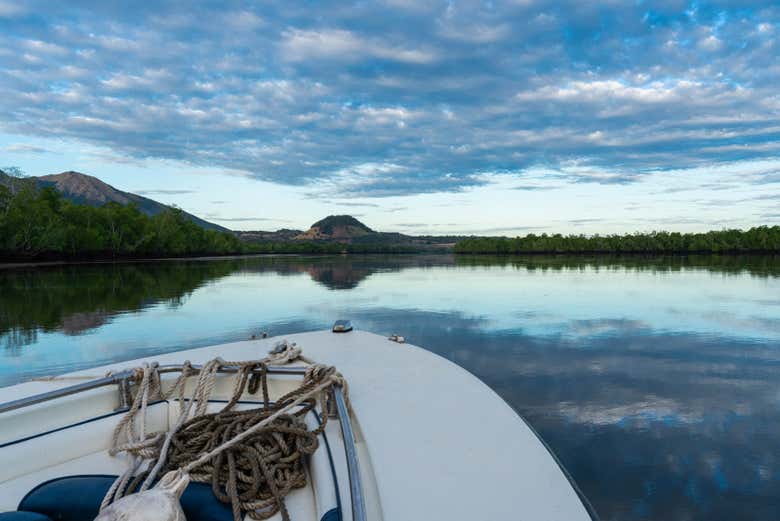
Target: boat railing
[(122, 380)]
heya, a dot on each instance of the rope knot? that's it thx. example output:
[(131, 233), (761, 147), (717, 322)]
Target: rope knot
[(138, 374), (318, 373)]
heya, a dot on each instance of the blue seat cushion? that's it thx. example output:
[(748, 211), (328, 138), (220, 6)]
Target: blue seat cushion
[(78, 498), (23, 516)]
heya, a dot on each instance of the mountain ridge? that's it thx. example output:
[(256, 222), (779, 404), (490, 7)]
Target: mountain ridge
[(83, 188)]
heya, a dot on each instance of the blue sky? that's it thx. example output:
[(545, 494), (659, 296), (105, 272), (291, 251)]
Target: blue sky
[(418, 117)]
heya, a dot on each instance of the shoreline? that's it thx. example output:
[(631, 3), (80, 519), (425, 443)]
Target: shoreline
[(202, 258), (130, 260)]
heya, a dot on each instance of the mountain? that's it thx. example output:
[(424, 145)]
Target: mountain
[(345, 229), (336, 227), (85, 189)]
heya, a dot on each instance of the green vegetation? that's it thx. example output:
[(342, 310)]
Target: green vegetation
[(759, 239), (40, 223)]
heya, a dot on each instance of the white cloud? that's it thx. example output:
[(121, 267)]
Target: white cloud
[(41, 47), (605, 91), (148, 79), (443, 92), (385, 116), (24, 148), (710, 43), (10, 9), (300, 45), (243, 20), (471, 33), (343, 45)]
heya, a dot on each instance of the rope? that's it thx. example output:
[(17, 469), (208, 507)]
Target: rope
[(252, 458)]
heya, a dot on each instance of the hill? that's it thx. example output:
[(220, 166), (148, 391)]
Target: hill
[(282, 235), (342, 228), (38, 222), (348, 232), (86, 189)]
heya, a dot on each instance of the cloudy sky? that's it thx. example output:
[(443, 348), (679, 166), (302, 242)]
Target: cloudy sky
[(419, 117)]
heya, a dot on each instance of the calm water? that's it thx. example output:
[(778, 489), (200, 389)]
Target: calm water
[(656, 381)]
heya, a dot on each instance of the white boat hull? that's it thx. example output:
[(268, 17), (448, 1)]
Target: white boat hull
[(433, 441)]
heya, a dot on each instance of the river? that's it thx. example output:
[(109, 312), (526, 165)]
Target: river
[(656, 380)]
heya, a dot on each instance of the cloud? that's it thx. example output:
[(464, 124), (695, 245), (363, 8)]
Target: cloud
[(371, 179), (597, 90), (501, 230), (580, 222), (533, 188), (164, 192), (10, 9), (23, 148), (241, 219), (412, 225), (767, 197), (384, 99), (356, 205), (711, 43), (342, 45)]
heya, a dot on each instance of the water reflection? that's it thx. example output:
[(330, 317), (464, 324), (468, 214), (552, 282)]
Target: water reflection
[(652, 425), (75, 299), (756, 265), (655, 380), (79, 298)]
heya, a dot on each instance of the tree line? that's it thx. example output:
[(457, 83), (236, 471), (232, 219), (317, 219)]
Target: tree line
[(757, 239), (39, 223)]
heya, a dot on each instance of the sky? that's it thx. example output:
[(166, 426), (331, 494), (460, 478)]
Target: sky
[(498, 118)]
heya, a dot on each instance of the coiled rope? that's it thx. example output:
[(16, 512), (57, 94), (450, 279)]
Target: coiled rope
[(252, 458)]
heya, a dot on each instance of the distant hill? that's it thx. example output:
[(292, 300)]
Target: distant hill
[(345, 229), (336, 227), (283, 235), (333, 229), (86, 189)]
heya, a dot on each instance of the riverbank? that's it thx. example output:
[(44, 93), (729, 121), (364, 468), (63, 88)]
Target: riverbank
[(139, 260), (53, 260), (759, 239), (754, 263)]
